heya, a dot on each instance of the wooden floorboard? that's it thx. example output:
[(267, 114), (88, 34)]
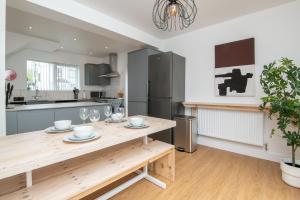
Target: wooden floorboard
[(211, 174)]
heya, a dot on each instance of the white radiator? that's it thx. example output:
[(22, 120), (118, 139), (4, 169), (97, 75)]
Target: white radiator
[(238, 126)]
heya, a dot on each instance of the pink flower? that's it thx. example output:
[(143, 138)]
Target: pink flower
[(10, 75)]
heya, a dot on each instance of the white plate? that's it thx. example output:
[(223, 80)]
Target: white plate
[(76, 138), (136, 127), (55, 130), (70, 139)]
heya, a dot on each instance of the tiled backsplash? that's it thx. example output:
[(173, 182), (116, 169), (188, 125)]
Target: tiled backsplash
[(47, 95), (59, 95)]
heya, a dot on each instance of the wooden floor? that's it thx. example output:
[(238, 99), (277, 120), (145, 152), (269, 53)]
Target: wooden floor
[(211, 174)]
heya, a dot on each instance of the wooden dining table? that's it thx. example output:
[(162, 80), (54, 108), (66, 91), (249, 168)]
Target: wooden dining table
[(30, 152)]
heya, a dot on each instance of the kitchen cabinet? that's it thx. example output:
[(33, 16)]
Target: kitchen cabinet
[(69, 114), (11, 123), (138, 80), (92, 73), (34, 120)]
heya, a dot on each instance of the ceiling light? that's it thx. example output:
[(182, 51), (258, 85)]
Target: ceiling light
[(30, 27), (61, 47), (173, 14), (106, 47), (75, 39)]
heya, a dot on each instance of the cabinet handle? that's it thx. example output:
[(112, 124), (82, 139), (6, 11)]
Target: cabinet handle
[(148, 88)]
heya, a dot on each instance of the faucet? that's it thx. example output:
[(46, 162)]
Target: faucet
[(37, 96)]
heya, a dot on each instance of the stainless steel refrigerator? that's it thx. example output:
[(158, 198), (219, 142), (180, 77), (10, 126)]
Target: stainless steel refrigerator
[(166, 90)]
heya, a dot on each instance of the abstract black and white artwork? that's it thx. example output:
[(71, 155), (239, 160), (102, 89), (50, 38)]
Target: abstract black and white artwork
[(235, 68)]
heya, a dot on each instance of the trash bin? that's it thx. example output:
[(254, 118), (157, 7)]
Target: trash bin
[(185, 133)]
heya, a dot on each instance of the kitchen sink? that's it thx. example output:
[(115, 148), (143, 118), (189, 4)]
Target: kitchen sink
[(30, 102)]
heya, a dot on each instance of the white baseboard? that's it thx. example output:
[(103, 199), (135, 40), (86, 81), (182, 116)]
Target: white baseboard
[(239, 148)]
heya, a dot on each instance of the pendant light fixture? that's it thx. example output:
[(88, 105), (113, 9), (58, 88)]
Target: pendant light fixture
[(174, 14)]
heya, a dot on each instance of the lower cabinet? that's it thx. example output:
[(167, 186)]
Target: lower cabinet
[(11, 123), (68, 114), (34, 120)]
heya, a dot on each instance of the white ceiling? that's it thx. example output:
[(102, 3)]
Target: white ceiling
[(87, 43), (138, 13)]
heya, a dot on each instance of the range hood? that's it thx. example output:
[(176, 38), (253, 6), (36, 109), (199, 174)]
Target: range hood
[(113, 61)]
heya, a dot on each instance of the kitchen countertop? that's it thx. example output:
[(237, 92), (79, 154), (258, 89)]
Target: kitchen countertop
[(54, 106)]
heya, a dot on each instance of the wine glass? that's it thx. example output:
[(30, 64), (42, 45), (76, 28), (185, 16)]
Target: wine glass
[(84, 114), (94, 115), (121, 111), (107, 111)]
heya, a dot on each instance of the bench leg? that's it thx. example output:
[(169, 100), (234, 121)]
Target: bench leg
[(29, 179), (149, 177), (152, 179), (141, 175), (165, 166), (122, 187)]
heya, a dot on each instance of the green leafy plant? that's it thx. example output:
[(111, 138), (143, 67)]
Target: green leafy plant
[(281, 84)]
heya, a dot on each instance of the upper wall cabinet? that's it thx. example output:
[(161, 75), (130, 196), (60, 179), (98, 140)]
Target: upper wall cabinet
[(92, 73)]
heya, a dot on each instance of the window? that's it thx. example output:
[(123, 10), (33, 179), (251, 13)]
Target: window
[(51, 76)]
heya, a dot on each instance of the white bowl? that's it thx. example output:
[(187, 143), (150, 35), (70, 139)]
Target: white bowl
[(83, 131), (63, 124), (116, 116), (136, 121)]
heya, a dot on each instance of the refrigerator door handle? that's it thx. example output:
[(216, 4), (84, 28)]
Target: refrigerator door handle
[(148, 88)]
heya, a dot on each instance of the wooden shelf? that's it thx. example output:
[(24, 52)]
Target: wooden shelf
[(78, 177), (223, 106)]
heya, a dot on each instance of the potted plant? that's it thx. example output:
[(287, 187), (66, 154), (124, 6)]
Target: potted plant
[(281, 84)]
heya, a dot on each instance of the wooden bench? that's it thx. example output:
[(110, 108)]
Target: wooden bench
[(81, 176)]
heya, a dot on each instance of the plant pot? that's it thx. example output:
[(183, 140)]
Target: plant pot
[(290, 174)]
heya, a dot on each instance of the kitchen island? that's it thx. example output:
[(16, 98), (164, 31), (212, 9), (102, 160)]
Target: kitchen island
[(27, 118), (52, 169)]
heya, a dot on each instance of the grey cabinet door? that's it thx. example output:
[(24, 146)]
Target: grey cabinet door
[(92, 73), (68, 114), (11, 123), (138, 74), (88, 74), (35, 120), (137, 108)]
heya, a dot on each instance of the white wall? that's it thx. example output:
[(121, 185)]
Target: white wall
[(2, 67), (276, 32)]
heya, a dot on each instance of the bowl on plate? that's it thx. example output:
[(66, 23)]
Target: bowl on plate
[(83, 131), (136, 121), (116, 117), (62, 124)]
